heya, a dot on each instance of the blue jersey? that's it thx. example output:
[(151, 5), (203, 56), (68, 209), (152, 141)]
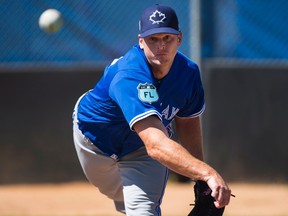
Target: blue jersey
[(128, 92)]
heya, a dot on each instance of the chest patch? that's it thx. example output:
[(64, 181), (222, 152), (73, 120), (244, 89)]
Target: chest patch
[(147, 93)]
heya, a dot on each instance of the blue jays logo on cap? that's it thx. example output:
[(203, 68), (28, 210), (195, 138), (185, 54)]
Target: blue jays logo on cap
[(158, 19)]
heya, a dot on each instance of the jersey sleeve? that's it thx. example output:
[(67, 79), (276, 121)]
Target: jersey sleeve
[(195, 105), (124, 91)]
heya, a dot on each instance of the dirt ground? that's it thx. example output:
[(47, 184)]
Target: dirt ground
[(82, 199)]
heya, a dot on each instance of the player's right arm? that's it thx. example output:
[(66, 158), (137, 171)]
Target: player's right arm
[(172, 155)]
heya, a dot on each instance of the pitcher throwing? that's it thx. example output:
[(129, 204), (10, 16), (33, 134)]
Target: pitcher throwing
[(122, 126)]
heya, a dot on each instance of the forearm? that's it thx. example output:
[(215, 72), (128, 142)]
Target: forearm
[(177, 158), (190, 135), (174, 156)]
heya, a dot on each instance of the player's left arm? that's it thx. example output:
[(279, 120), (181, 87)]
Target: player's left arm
[(190, 135)]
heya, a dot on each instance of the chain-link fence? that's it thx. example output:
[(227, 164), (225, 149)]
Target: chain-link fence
[(93, 31), (245, 29), (97, 31)]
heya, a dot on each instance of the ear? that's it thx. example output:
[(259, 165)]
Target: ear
[(141, 40), (179, 38)]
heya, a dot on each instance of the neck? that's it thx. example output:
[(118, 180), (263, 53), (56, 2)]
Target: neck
[(159, 75), (160, 72)]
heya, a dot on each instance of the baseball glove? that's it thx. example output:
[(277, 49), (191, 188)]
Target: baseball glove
[(204, 202)]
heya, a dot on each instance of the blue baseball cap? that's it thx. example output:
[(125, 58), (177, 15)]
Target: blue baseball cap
[(158, 19)]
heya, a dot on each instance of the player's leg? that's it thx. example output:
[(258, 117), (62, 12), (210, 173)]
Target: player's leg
[(144, 181), (100, 170)]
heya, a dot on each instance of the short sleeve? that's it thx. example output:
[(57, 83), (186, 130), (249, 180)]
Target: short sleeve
[(123, 90), (195, 105)]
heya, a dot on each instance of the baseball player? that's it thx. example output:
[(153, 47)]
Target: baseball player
[(122, 126)]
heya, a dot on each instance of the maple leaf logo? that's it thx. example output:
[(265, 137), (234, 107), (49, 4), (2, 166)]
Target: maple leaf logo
[(157, 17)]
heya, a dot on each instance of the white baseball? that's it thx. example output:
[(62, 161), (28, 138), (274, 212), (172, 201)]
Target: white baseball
[(51, 21)]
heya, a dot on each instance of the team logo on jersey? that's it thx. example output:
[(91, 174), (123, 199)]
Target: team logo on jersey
[(157, 17), (147, 93)]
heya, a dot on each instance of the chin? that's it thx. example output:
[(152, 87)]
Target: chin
[(161, 61)]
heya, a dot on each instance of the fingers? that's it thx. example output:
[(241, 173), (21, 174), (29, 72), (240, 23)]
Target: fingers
[(220, 191), (221, 195)]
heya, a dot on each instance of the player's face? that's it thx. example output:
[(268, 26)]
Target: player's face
[(160, 49)]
